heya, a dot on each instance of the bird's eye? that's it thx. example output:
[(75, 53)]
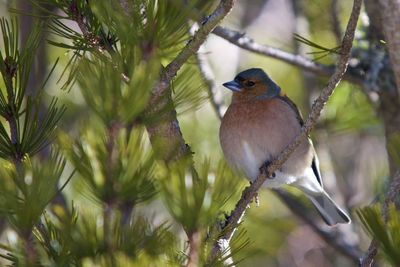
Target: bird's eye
[(249, 83)]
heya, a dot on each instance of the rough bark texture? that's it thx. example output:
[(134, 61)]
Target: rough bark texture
[(390, 101), (389, 98), (390, 15), (383, 19)]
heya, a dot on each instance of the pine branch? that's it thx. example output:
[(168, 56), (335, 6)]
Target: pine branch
[(391, 195), (92, 39), (266, 171), (167, 131), (247, 43), (193, 45), (9, 70)]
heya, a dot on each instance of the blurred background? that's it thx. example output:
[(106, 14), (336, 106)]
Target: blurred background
[(349, 136)]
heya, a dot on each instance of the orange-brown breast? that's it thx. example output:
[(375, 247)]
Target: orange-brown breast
[(253, 132)]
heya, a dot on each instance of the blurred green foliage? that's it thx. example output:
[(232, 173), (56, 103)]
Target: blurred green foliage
[(385, 233)]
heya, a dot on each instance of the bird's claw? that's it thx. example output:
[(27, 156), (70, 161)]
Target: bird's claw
[(264, 169)]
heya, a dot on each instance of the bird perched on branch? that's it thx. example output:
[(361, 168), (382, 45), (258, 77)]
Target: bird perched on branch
[(259, 123)]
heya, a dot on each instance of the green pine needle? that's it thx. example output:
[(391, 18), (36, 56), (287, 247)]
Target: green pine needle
[(321, 50)]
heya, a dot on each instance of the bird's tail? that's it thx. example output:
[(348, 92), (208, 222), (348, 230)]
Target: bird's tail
[(329, 210)]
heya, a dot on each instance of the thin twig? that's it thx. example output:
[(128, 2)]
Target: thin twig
[(392, 193), (247, 43), (249, 193), (208, 77)]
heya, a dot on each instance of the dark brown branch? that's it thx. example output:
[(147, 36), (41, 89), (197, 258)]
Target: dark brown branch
[(249, 193), (78, 18), (391, 194), (247, 43)]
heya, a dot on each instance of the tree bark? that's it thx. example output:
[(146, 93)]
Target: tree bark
[(389, 97), (390, 15)]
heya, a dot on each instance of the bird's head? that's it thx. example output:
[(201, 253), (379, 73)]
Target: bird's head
[(253, 84)]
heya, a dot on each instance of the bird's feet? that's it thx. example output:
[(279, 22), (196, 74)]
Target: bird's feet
[(264, 169)]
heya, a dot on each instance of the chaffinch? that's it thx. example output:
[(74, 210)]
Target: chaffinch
[(259, 123)]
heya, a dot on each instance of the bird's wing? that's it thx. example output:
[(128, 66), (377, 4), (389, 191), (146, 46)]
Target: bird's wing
[(293, 107), (314, 163), (315, 167)]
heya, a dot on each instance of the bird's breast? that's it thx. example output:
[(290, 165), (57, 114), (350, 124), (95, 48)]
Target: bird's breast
[(254, 132)]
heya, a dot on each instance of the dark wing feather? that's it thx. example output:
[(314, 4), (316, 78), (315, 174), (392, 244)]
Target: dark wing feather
[(315, 168), (293, 106)]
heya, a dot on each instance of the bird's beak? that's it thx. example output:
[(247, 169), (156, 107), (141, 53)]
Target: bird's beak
[(234, 86)]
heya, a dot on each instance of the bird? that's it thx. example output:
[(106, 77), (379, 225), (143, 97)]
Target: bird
[(258, 125)]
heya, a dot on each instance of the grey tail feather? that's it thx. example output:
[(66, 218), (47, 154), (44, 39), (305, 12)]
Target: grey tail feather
[(328, 209)]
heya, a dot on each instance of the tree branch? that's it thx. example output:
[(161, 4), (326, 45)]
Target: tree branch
[(247, 43), (208, 78), (249, 193), (391, 194), (165, 135), (193, 45)]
